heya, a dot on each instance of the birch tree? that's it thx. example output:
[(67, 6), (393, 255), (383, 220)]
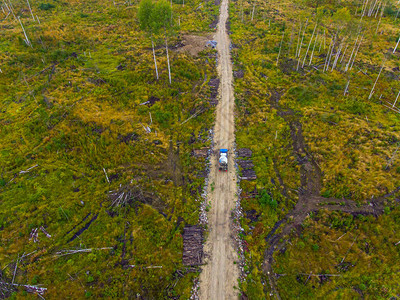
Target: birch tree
[(161, 17), (146, 23)]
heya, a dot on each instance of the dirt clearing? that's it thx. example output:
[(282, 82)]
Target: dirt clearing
[(193, 44)]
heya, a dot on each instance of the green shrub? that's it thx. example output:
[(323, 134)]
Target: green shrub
[(266, 199), (355, 106), (302, 94), (326, 194), (163, 118), (315, 247), (35, 279), (46, 6), (390, 10), (301, 244)]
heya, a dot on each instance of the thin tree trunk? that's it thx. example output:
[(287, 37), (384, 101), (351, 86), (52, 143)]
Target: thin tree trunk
[(372, 9), (380, 19), (344, 53), (320, 43), (309, 44), (377, 9), (252, 13), (372, 90), (396, 99), (351, 55), (280, 47), (337, 56), (10, 8), (330, 56), (347, 86), (298, 40), (396, 45), (26, 37), (302, 38), (327, 55), (312, 52), (364, 9), (33, 17), (301, 45), (397, 14), (291, 39), (355, 54), (154, 56), (169, 68)]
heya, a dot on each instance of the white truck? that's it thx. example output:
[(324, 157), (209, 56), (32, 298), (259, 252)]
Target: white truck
[(223, 160)]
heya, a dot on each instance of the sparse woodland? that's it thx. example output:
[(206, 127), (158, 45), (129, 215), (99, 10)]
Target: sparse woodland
[(316, 88), (97, 176)]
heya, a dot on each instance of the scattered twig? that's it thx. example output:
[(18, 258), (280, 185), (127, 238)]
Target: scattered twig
[(27, 170), (192, 116), (69, 252), (392, 157), (106, 175), (15, 270), (331, 275), (372, 90), (349, 249), (45, 232), (34, 235), (341, 236), (308, 277)]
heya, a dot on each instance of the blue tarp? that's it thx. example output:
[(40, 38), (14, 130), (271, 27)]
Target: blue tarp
[(223, 150)]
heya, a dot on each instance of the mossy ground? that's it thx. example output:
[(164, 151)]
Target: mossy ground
[(350, 138), (71, 107)]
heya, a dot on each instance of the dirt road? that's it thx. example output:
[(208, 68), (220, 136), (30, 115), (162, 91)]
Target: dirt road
[(220, 274)]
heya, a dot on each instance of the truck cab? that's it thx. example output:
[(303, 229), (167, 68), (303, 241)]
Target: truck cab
[(223, 160)]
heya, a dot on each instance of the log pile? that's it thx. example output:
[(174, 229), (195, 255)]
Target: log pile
[(192, 245), (214, 84), (248, 174), (203, 152), (246, 164), (244, 152)]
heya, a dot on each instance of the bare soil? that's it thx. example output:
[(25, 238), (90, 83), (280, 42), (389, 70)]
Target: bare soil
[(220, 274), (193, 44)]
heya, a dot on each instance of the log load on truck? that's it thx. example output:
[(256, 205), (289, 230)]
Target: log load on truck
[(223, 160)]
